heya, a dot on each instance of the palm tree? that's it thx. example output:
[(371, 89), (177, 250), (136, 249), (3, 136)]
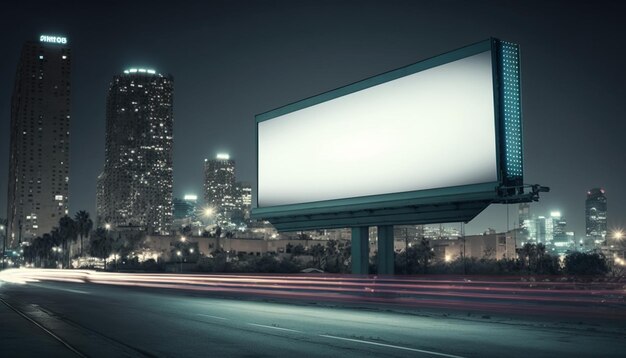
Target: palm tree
[(101, 245), (45, 247), (68, 233), (83, 226)]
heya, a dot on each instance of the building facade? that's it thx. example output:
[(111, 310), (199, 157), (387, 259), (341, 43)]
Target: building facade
[(523, 213), (243, 199), (136, 184), (595, 215), (220, 189), (38, 183), (495, 246), (186, 207)]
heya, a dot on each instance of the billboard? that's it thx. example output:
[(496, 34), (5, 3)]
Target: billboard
[(449, 127)]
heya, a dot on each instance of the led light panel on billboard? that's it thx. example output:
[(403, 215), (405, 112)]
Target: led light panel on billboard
[(432, 128)]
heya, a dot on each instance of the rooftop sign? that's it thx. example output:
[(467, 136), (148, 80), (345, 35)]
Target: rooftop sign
[(140, 70), (53, 39)]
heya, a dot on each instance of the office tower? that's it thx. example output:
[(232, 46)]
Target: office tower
[(185, 208), (537, 229), (561, 241), (595, 215), (523, 214), (100, 200), (244, 198), (219, 185), (40, 139), (137, 178)]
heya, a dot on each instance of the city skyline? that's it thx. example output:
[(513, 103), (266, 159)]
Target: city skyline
[(219, 92)]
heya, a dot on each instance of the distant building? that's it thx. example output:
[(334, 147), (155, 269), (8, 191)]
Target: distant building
[(137, 178), (186, 212), (490, 246), (100, 200), (243, 198), (543, 230), (220, 191), (185, 208), (561, 241), (523, 214), (536, 228), (38, 183), (595, 215)]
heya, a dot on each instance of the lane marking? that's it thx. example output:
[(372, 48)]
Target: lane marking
[(277, 328), (62, 289), (216, 317), (59, 339), (392, 346)]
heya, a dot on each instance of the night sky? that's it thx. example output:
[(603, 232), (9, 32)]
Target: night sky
[(234, 59)]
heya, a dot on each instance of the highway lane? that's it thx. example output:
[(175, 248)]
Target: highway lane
[(509, 296), (105, 321)]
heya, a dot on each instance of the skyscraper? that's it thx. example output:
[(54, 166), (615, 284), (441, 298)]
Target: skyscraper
[(220, 190), (136, 184), (523, 214), (595, 215), (244, 198), (40, 139)]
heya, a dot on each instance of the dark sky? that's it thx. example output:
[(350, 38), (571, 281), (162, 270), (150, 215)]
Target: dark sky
[(234, 59)]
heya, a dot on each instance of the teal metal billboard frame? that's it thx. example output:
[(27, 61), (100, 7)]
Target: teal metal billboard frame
[(459, 203)]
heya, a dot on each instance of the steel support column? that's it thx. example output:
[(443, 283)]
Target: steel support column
[(360, 250), (385, 250)]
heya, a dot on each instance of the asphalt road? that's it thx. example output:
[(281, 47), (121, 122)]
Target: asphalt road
[(110, 321)]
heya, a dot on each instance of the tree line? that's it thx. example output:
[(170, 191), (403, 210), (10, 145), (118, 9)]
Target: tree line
[(53, 247)]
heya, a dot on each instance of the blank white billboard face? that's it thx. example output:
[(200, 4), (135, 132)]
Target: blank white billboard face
[(431, 129)]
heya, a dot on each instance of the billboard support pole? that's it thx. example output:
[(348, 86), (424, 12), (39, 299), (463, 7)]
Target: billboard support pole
[(360, 247), (385, 250)]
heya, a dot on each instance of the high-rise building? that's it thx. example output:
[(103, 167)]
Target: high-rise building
[(219, 185), (523, 214), (185, 208), (595, 215), (100, 200), (40, 139), (243, 199), (136, 184)]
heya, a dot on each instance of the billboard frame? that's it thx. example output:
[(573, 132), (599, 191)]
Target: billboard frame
[(457, 203)]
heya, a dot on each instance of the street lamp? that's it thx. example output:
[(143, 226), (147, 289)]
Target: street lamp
[(107, 226), (208, 213), (180, 258), (57, 251)]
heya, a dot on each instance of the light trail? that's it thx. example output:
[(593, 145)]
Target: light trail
[(507, 294)]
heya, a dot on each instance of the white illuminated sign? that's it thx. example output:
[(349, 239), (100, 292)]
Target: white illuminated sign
[(223, 156), (190, 197), (431, 129), (53, 39), (140, 70)]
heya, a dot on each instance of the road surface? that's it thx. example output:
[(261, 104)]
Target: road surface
[(67, 319)]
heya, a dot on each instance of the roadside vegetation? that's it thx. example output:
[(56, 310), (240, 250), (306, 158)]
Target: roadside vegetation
[(117, 253)]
